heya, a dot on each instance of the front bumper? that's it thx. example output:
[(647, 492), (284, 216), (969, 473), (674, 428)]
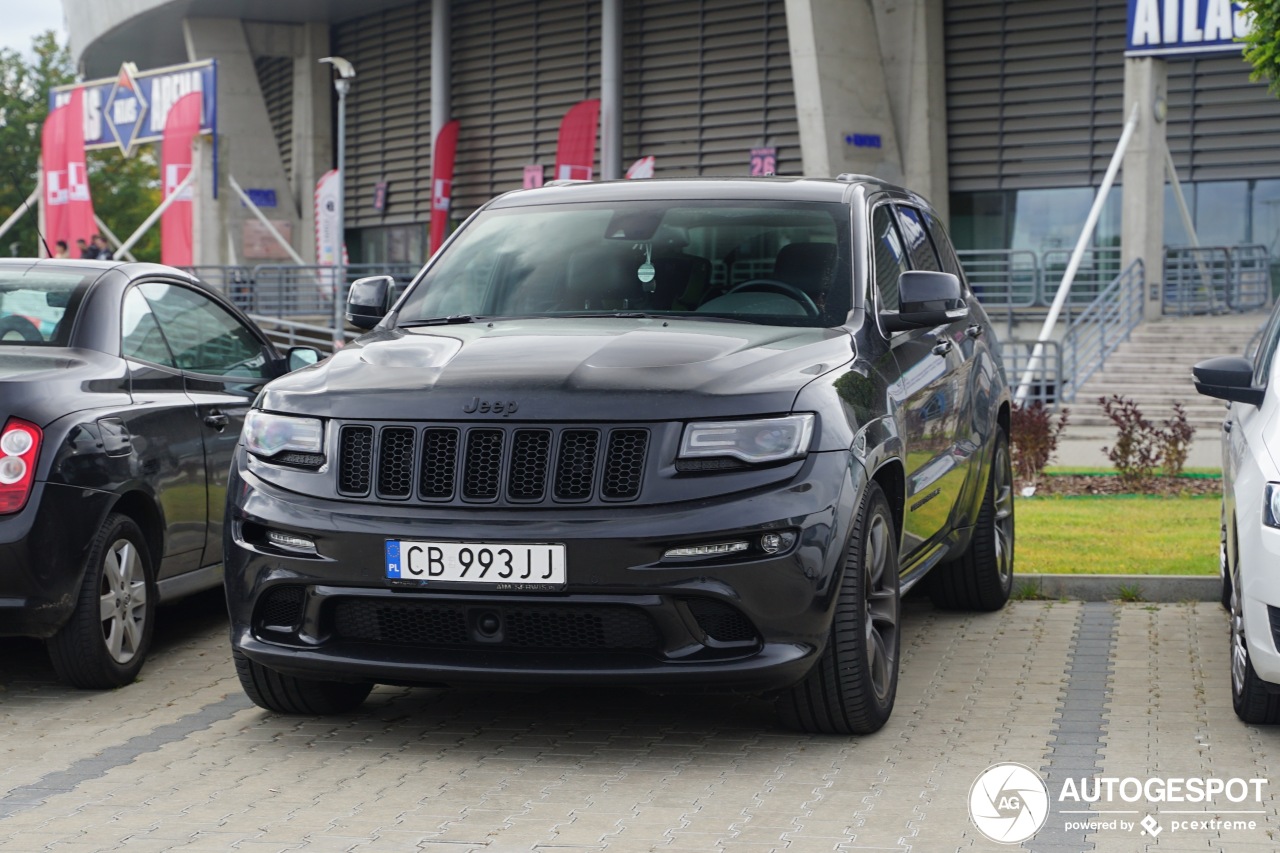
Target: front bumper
[(43, 549), (626, 615)]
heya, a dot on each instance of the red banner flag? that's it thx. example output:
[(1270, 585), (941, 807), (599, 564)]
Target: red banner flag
[(576, 147), (442, 157), (67, 205), (180, 128)]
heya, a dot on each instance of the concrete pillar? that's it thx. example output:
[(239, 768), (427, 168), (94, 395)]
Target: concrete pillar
[(312, 120), (913, 52), (1143, 176), (840, 86), (247, 143), (611, 90), (441, 68)]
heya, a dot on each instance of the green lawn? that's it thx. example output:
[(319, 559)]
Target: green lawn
[(1117, 535)]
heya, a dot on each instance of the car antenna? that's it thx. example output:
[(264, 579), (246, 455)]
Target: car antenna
[(17, 183)]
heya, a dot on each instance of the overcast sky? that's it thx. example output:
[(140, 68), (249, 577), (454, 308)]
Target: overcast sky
[(24, 19)]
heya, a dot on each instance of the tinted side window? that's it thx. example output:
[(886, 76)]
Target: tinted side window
[(140, 336), (890, 257), (919, 246), (206, 338), (942, 242), (1266, 354)]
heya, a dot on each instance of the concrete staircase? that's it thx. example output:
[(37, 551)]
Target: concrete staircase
[(1153, 368)]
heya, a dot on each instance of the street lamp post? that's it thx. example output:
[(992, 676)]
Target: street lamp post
[(342, 83)]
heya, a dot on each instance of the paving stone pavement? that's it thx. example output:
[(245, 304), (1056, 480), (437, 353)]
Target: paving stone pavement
[(182, 761)]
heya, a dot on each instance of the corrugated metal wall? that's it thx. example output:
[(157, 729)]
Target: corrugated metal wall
[(1221, 125), (1035, 91), (388, 114), (275, 78), (1035, 98), (704, 82)]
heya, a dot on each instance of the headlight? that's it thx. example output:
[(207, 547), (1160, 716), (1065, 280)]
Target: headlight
[(1271, 506), (764, 440), (266, 434)]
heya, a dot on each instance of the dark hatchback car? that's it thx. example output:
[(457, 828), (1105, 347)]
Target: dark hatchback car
[(672, 434), (122, 391)]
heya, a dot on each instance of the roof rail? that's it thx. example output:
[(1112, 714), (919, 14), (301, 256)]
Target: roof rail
[(564, 182), (851, 177)]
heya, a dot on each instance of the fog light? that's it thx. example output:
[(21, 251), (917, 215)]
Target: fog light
[(772, 543), (289, 542), (707, 550)]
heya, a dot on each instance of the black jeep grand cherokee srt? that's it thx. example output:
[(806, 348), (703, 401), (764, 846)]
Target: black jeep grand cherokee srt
[(689, 434)]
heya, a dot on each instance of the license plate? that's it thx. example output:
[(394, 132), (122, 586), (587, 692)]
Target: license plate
[(498, 565)]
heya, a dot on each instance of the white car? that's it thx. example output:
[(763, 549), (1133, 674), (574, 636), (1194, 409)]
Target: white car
[(1251, 519)]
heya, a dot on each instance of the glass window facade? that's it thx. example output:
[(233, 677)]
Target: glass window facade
[(1225, 213)]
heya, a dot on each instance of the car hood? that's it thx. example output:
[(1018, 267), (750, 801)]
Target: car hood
[(565, 369), (41, 384)]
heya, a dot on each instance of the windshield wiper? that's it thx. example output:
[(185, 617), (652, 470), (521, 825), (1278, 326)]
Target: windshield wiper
[(451, 320)]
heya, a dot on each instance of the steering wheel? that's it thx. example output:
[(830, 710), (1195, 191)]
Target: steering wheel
[(772, 285), (16, 327)]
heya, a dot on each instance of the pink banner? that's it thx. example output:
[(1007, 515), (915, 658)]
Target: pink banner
[(576, 146), (68, 207), (442, 157), (180, 128)]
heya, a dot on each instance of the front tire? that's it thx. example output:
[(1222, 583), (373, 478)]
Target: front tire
[(1252, 701), (106, 640), (982, 579), (851, 689), (287, 694)]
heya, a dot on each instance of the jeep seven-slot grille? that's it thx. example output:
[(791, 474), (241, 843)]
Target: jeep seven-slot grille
[(491, 464)]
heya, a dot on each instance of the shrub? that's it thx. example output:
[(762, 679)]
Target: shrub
[(1136, 452), (1175, 441), (1035, 438)]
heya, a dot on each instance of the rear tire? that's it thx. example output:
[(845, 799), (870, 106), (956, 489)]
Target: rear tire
[(982, 579), (851, 689), (286, 694), (106, 640)]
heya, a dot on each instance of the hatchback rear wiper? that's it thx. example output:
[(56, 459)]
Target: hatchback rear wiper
[(451, 320)]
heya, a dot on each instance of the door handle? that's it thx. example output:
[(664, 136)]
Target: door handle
[(217, 420), (942, 345), (1226, 426), (975, 331)]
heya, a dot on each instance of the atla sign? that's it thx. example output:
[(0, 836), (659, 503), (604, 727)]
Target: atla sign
[(131, 108), (1185, 27)]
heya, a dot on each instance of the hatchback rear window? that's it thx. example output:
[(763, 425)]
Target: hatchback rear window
[(762, 262), (38, 307)]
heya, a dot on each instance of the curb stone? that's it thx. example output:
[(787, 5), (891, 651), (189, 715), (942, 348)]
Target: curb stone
[(1152, 588)]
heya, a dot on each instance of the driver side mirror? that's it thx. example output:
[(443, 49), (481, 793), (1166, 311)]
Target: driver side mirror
[(926, 299), (369, 300), (1228, 377), (300, 357)]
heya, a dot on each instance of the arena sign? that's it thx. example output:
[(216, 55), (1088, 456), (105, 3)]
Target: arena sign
[(1185, 27), (132, 107)]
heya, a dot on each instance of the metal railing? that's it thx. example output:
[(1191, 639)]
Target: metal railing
[(1091, 336), (1101, 327), (288, 290)]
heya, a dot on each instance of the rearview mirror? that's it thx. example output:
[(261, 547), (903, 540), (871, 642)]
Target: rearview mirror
[(926, 299), (369, 300), (300, 357), (1228, 377)]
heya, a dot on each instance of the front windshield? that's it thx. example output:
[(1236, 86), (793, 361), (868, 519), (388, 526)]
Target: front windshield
[(37, 306), (753, 261)]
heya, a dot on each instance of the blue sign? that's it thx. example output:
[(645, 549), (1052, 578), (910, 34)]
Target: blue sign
[(1185, 27), (862, 140), (261, 198), (132, 107)]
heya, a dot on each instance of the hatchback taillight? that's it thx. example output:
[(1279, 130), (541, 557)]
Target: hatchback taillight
[(19, 447)]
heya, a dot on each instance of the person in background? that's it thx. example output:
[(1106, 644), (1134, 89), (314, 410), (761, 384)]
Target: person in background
[(60, 249), (83, 248), (103, 251)]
